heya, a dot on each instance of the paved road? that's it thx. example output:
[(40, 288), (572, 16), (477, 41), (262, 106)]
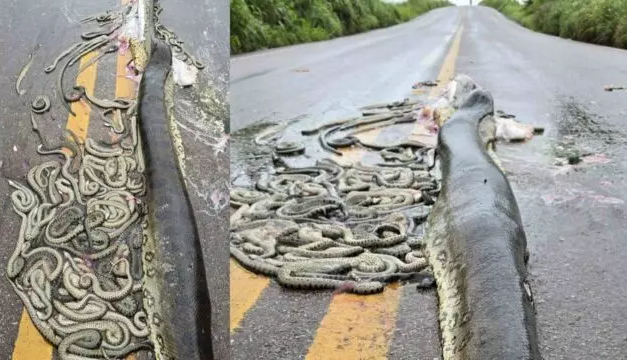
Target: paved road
[(203, 25), (574, 216)]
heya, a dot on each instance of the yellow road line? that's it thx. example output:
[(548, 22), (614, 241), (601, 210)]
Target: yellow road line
[(447, 72), (79, 124), (245, 288), (357, 327), (361, 327), (30, 344), (448, 66)]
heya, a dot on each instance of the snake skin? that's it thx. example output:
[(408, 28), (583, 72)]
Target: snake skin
[(180, 317), (477, 249)]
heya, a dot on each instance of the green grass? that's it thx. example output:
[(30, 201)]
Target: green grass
[(262, 24), (602, 22)]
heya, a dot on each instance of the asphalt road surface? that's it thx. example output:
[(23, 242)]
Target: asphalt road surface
[(574, 216), (200, 112)]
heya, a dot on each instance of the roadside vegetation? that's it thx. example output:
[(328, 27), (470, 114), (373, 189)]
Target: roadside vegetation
[(602, 22), (262, 24)]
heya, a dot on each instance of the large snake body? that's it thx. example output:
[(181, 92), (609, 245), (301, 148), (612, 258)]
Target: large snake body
[(175, 289), (477, 248), (475, 244)]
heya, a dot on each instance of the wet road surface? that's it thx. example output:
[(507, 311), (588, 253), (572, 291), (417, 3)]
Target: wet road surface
[(574, 216), (200, 112)]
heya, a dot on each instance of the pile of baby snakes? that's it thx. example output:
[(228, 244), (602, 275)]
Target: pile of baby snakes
[(77, 265), (330, 226)]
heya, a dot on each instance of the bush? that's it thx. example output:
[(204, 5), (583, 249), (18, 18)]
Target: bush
[(601, 22), (259, 24)]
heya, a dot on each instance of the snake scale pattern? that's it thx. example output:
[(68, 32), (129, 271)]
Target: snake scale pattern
[(175, 292), (89, 259), (339, 226), (478, 248), (335, 225)]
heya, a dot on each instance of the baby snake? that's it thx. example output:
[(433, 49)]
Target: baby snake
[(79, 260), (332, 226), (24, 70)]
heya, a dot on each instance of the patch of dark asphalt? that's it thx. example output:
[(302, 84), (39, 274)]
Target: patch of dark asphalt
[(282, 324), (249, 161), (416, 316)]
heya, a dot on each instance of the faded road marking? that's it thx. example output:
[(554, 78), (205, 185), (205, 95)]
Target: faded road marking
[(357, 326), (447, 72), (79, 124), (30, 344), (245, 289), (448, 66)]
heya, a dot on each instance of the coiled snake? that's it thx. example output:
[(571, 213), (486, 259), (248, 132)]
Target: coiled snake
[(326, 227), (90, 258), (332, 226)]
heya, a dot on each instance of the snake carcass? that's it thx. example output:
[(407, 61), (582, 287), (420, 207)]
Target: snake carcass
[(176, 297)]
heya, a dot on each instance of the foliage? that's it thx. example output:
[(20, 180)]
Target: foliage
[(601, 22), (259, 24)]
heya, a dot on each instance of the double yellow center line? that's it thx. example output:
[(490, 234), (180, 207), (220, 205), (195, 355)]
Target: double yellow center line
[(354, 326)]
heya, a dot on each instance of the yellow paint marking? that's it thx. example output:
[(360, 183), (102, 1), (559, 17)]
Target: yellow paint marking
[(245, 289), (357, 327), (361, 327), (29, 343), (447, 72), (245, 286), (79, 124)]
